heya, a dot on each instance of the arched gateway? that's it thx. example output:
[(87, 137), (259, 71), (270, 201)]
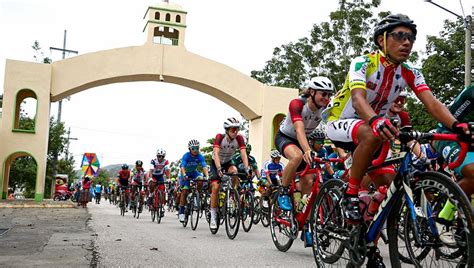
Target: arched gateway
[(163, 58)]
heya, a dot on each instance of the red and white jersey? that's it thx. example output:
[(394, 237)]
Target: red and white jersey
[(227, 146), (300, 111), (159, 167)]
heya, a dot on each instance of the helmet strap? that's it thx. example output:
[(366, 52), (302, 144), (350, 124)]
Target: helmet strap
[(314, 101), (387, 56)]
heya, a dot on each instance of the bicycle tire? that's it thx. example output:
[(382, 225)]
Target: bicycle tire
[(435, 187), (152, 209), (256, 210), (276, 212), (232, 213), (327, 216), (247, 212), (195, 208), (122, 205), (265, 213), (140, 205), (159, 207)]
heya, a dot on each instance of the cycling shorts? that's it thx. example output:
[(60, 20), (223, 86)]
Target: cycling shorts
[(123, 182), (191, 176), (343, 133), (158, 178), (282, 141)]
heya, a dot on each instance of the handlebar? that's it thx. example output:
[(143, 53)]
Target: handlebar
[(405, 137)]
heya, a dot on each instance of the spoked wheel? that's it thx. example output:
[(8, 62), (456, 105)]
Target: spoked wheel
[(280, 222), (159, 206), (256, 210), (232, 213), (135, 205), (265, 212), (122, 206), (195, 210), (327, 223), (140, 206), (152, 208), (427, 242), (247, 214)]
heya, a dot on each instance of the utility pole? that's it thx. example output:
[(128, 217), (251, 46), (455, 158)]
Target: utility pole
[(55, 161), (68, 139), (64, 50), (468, 39)]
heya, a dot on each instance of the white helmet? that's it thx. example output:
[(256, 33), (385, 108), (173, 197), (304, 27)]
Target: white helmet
[(275, 154), (403, 93), (161, 152), (231, 122), (321, 83), (193, 143)]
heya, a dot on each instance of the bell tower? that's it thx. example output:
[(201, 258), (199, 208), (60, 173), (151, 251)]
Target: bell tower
[(165, 24)]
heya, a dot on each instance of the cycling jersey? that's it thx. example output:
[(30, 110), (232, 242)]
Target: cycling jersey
[(237, 161), (299, 111), (227, 146), (159, 167), (383, 81), (191, 162), (124, 174), (272, 169), (138, 175), (462, 109)]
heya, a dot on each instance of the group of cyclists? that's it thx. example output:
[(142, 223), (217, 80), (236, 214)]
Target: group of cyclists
[(359, 119)]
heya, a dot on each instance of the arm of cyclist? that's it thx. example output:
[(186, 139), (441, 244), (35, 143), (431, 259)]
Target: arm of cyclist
[(217, 160), (303, 141), (379, 125)]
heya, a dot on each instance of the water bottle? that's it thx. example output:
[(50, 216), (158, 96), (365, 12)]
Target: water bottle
[(377, 198), (364, 203), (221, 199), (297, 198), (304, 201)]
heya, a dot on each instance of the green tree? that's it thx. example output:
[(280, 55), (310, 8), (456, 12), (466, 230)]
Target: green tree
[(207, 150), (23, 175), (329, 49)]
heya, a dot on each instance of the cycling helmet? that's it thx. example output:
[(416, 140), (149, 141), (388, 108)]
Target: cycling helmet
[(390, 22), (124, 166), (321, 83), (139, 163), (248, 148), (275, 154), (317, 135), (193, 143), (403, 93), (161, 152), (231, 122)]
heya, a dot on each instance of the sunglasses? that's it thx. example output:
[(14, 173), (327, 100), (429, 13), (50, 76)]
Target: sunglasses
[(401, 100), (320, 142), (233, 129), (159, 156), (325, 94), (194, 148), (402, 36)]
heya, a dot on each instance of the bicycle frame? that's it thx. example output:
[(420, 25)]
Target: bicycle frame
[(302, 216)]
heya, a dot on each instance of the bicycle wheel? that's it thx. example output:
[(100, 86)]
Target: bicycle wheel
[(327, 221), (280, 225), (232, 213), (195, 210), (140, 205), (425, 248), (159, 207), (247, 212), (135, 205), (265, 212), (152, 209), (256, 210)]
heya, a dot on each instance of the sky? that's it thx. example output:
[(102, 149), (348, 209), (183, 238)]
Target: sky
[(129, 121)]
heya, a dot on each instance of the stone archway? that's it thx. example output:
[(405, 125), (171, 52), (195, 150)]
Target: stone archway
[(162, 62)]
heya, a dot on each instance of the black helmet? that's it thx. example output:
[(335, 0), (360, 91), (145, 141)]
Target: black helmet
[(124, 166), (390, 22), (317, 135), (139, 163)]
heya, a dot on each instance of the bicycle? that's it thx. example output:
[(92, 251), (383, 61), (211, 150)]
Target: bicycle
[(408, 208), (289, 223), (247, 203), (156, 204), (228, 207), (193, 205), (122, 200)]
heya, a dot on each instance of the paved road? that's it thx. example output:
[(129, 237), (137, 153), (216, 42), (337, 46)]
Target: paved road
[(128, 241)]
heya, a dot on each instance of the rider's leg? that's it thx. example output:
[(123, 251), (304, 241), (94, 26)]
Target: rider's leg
[(214, 199), (467, 182), (294, 156)]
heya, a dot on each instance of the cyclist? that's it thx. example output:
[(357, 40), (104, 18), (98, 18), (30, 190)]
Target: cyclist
[(138, 179), (238, 162), (463, 110), (123, 180), (224, 147), (272, 171), (355, 117), (303, 117), (158, 170), (189, 171), (316, 141)]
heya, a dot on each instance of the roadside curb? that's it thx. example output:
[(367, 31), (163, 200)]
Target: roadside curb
[(34, 204)]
